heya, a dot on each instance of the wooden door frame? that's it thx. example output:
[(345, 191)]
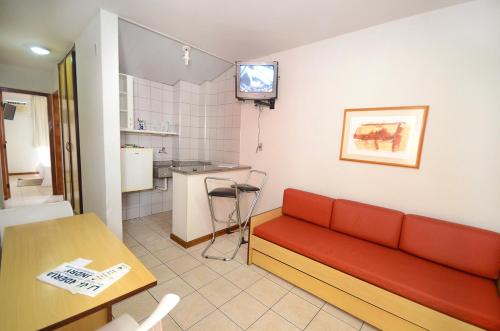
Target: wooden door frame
[(56, 142), (3, 151)]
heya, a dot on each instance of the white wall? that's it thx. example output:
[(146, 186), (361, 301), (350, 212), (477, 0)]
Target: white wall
[(22, 156), (448, 59), (98, 111), (28, 78)]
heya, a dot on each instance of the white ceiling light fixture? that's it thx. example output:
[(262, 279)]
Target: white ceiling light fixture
[(39, 50), (186, 57)]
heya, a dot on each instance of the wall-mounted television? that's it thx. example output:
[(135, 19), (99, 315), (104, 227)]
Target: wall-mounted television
[(256, 80), (9, 111)]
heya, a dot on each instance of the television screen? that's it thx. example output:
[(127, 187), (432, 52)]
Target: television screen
[(9, 111), (256, 81)]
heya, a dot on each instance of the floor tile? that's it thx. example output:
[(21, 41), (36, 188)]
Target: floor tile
[(368, 327), (216, 321), (296, 310), (219, 291), (149, 260), (183, 264), (157, 244), (129, 241), (343, 316), (168, 324), (200, 276), (271, 321), (169, 253), (224, 245), (258, 270), (266, 291), (162, 273), (308, 296), (191, 309), (222, 267), (243, 309), (326, 322), (175, 285), (280, 281), (139, 306), (139, 250), (243, 277)]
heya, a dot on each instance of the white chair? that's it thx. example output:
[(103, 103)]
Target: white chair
[(153, 323), (33, 213)]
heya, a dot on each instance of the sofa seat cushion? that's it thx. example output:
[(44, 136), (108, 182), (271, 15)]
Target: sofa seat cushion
[(461, 295)]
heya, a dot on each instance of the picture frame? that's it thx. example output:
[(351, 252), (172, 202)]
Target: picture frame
[(386, 135)]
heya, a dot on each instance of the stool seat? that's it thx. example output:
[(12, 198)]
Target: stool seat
[(247, 188), (224, 192)]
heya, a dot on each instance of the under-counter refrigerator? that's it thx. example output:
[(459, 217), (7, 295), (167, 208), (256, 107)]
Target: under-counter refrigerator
[(137, 169)]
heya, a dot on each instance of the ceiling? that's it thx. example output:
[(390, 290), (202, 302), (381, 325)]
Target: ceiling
[(149, 55), (233, 30)]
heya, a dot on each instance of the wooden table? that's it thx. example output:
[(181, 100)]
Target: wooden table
[(28, 250)]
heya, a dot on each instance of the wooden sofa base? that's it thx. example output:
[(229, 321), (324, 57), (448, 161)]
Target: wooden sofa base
[(370, 303)]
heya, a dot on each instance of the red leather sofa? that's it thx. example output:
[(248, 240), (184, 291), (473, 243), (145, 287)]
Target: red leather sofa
[(450, 268)]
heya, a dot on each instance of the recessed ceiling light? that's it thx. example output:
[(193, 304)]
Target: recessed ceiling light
[(39, 50)]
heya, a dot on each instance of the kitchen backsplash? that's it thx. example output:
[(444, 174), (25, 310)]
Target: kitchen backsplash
[(207, 118)]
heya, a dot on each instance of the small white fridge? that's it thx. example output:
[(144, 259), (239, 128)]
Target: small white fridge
[(137, 169)]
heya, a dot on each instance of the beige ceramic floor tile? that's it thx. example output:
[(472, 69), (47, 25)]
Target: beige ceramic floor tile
[(281, 282), (222, 267), (296, 310), (308, 296), (139, 306), (139, 250), (129, 241), (243, 277), (219, 291), (266, 291), (258, 270), (216, 321), (162, 273), (271, 321), (191, 309), (224, 245), (149, 260), (200, 276), (175, 285), (368, 327), (170, 253), (326, 322), (211, 251), (183, 264), (169, 324), (158, 244), (343, 316), (243, 309)]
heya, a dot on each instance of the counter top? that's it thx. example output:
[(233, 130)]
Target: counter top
[(205, 169)]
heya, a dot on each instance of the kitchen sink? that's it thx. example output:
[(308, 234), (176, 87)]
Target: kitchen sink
[(163, 169)]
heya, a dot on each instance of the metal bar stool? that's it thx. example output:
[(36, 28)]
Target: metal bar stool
[(234, 191)]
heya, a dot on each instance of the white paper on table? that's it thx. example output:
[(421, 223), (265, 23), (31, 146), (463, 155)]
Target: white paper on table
[(80, 262), (78, 279)]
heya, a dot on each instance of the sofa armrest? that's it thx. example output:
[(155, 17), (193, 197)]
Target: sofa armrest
[(264, 217)]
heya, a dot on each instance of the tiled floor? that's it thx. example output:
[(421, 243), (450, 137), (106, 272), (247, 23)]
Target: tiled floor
[(29, 195), (217, 295)]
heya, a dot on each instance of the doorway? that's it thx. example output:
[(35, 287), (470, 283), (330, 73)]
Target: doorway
[(28, 148)]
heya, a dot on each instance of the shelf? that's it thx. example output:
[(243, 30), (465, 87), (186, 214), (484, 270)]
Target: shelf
[(157, 133), (123, 93), (124, 110)]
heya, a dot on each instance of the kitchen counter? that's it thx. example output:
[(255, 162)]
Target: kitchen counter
[(208, 168)]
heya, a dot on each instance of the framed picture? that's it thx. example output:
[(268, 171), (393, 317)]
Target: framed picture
[(391, 136)]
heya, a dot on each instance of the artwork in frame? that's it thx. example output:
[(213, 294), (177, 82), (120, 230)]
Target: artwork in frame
[(388, 135)]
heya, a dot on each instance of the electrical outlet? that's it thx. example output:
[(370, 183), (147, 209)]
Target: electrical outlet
[(259, 147)]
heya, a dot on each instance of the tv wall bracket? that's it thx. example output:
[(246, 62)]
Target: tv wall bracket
[(266, 103)]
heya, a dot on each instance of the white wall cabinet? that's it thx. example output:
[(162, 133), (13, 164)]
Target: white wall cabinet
[(126, 101)]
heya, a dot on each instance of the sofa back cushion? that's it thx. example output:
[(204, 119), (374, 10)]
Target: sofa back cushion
[(310, 207), (376, 224), (462, 247)]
